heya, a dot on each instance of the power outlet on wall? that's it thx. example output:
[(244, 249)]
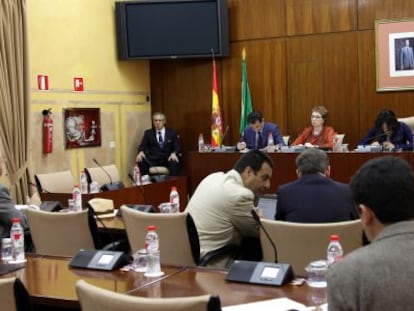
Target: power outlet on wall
[(111, 144)]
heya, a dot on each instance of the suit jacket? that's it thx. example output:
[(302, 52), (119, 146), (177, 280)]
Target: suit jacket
[(220, 207), (8, 211), (151, 148), (406, 58), (314, 198), (249, 136), (378, 276)]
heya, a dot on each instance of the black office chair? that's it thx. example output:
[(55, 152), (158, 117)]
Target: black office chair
[(231, 249)]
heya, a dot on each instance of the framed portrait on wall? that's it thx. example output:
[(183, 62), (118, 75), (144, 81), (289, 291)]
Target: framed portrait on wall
[(394, 41), (82, 127)]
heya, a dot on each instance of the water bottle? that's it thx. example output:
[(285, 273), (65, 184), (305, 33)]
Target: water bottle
[(200, 142), (151, 239), (83, 182), (77, 196), (17, 237), (174, 200), (270, 141), (152, 247), (137, 175), (334, 252)]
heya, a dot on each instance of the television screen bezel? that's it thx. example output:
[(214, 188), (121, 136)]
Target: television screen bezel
[(123, 44)]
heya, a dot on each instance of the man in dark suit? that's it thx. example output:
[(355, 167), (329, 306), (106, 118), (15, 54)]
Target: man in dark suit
[(160, 146), (256, 134), (314, 197)]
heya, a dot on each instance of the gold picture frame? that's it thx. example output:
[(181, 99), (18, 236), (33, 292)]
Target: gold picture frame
[(394, 41)]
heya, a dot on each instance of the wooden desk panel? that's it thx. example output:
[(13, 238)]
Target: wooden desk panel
[(199, 281), (154, 194), (51, 282), (343, 165)]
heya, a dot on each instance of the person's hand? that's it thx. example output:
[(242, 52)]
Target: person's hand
[(241, 145), (173, 157), (375, 143), (140, 156), (270, 149), (388, 145), (309, 145)]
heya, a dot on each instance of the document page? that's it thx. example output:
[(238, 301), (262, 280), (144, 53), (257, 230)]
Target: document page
[(268, 305)]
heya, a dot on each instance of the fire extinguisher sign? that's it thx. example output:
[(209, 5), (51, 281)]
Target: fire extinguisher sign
[(43, 83)]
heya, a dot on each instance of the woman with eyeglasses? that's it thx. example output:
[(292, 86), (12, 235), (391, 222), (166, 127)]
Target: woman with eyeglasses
[(318, 134)]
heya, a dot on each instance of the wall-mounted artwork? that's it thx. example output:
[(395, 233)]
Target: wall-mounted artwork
[(394, 54), (82, 127)]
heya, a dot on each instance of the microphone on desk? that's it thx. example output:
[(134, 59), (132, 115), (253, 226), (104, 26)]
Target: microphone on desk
[(259, 223), (388, 134), (256, 272), (224, 134), (132, 179), (147, 208), (111, 185), (93, 216)]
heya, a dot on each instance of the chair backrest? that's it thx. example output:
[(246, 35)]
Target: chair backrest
[(93, 298), (59, 182), (100, 174), (409, 121), (13, 295), (176, 239), (298, 244), (60, 234)]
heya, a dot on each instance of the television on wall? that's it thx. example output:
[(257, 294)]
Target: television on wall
[(151, 29)]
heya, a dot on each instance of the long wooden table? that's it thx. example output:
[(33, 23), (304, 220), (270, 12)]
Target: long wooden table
[(154, 194), (51, 284), (343, 165)]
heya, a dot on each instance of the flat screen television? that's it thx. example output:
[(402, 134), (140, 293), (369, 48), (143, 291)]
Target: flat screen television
[(150, 29)]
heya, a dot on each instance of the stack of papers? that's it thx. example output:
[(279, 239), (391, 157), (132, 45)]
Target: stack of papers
[(279, 304)]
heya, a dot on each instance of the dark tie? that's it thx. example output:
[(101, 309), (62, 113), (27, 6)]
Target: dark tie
[(259, 141), (160, 139)]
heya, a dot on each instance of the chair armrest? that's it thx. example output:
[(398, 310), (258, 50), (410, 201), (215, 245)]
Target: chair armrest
[(231, 249)]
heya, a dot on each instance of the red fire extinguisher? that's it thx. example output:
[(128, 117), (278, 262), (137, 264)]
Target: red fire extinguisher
[(47, 131)]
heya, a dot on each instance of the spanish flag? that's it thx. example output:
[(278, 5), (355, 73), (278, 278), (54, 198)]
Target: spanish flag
[(216, 120)]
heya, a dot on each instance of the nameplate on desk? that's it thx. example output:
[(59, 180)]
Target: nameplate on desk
[(98, 259), (265, 273), (370, 148), (292, 149)]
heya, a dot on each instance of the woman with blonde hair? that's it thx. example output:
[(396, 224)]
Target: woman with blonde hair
[(318, 134)]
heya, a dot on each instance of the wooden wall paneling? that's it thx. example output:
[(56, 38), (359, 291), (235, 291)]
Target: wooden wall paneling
[(320, 16), (322, 69), (402, 102), (250, 19), (267, 80), (182, 90), (371, 10)]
